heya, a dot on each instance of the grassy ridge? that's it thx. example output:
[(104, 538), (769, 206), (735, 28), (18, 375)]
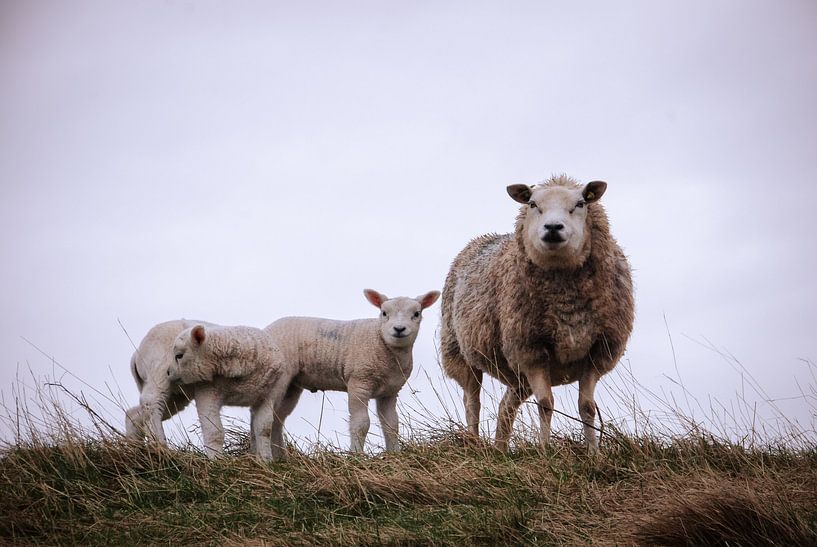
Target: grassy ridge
[(443, 488)]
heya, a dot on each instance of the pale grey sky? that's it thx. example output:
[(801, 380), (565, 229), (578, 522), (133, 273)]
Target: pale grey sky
[(238, 162)]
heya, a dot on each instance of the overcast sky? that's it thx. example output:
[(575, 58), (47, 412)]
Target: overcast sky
[(237, 162)]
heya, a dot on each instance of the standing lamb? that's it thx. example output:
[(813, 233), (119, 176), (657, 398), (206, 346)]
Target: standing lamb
[(547, 305), (159, 398), (368, 358), (238, 366)]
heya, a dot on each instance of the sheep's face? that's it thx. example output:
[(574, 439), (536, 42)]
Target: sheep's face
[(187, 366), (400, 317), (555, 229)]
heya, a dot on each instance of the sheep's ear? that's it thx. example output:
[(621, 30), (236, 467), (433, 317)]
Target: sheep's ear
[(520, 192), (375, 297), (594, 190), (428, 298), (198, 334)]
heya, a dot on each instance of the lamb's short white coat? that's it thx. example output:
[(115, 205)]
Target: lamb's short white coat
[(237, 366), (159, 398), (368, 358)]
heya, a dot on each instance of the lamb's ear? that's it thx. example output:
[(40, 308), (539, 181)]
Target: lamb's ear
[(428, 298), (520, 192), (198, 335), (374, 297), (594, 190)]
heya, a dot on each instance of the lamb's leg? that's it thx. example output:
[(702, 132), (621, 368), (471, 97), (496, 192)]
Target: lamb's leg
[(253, 446), (262, 419), (358, 417), (389, 422), (539, 380), (587, 407), (284, 409), (153, 407), (208, 407), (471, 392), (134, 422), (508, 407)]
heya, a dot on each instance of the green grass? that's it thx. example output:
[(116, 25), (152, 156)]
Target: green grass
[(443, 488)]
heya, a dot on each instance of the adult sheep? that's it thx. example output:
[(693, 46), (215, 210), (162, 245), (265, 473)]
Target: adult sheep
[(550, 304)]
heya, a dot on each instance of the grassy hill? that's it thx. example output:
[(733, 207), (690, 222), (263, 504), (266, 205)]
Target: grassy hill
[(443, 488)]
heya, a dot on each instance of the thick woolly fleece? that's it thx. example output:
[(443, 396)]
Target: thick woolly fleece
[(533, 328)]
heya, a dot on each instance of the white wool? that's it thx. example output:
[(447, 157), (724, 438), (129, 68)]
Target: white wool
[(237, 366), (368, 358), (159, 398)]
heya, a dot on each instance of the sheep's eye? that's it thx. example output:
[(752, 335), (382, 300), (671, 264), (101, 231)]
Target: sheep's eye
[(580, 204), (532, 204), (179, 356), (384, 314), (416, 314)]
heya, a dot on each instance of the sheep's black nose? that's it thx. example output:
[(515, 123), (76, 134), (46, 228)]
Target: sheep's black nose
[(554, 227), (399, 330)]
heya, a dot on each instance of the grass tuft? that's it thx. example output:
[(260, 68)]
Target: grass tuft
[(65, 483)]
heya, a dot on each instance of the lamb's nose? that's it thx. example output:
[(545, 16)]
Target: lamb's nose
[(399, 330), (554, 227)]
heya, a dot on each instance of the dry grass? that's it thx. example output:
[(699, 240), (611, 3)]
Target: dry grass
[(442, 489), (65, 483)]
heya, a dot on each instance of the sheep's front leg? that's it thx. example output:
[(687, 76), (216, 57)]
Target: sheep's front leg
[(587, 407), (539, 380), (506, 415), (358, 417), (389, 422), (208, 407)]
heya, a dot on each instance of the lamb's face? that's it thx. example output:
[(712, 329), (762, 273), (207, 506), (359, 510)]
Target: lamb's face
[(400, 317), (555, 228), (187, 367)]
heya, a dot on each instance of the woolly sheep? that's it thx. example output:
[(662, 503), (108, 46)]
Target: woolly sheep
[(368, 358), (159, 398), (548, 305), (239, 366)]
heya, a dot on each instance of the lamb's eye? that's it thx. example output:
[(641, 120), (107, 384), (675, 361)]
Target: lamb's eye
[(532, 204), (416, 314), (580, 204), (384, 314), (179, 356)]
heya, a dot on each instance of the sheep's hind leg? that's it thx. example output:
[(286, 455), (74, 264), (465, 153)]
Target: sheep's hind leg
[(508, 407), (389, 422), (134, 422), (587, 407), (358, 417), (284, 409), (471, 399)]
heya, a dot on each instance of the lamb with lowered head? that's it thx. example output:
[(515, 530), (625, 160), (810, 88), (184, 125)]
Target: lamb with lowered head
[(239, 366)]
